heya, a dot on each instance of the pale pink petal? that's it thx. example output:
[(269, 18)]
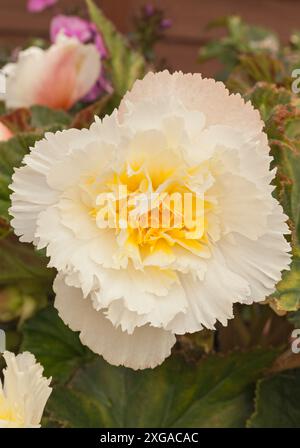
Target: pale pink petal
[(5, 133)]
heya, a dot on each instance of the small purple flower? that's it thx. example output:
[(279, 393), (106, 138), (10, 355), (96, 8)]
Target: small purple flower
[(99, 42), (149, 10), (165, 24), (85, 32), (71, 26), (102, 85), (39, 5)]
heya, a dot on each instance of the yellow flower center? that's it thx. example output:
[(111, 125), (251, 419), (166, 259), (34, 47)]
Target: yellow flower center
[(151, 207), (8, 414)]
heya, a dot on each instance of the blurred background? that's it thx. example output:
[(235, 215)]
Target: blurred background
[(182, 40)]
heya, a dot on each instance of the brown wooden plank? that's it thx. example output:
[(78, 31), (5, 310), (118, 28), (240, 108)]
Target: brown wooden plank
[(183, 39), (184, 57), (189, 16)]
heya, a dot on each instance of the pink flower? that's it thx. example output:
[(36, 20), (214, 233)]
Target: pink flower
[(57, 77), (39, 5), (99, 42), (165, 24), (73, 26), (85, 32), (5, 133), (149, 10)]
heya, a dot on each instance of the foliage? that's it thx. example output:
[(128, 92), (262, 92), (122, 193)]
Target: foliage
[(124, 64), (56, 347), (277, 402), (149, 28), (241, 39), (217, 391)]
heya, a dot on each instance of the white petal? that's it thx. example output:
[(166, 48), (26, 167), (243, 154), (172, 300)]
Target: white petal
[(31, 191), (25, 388), (145, 347), (260, 262), (210, 299), (240, 203), (152, 292), (31, 196), (198, 94), (93, 158)]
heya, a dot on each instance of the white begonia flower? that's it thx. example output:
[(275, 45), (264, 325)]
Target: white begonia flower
[(128, 289), (56, 77), (24, 392)]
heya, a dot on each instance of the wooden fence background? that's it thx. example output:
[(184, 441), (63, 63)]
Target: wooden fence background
[(184, 38)]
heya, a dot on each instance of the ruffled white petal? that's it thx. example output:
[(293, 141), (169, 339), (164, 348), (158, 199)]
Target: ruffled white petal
[(211, 299), (145, 347), (25, 391), (199, 94), (260, 262)]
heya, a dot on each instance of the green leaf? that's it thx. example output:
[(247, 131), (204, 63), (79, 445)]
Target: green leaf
[(217, 392), (124, 64), (20, 264), (55, 346), (43, 117), (18, 120), (241, 40), (253, 68), (287, 296), (265, 97), (294, 319), (17, 305), (37, 118), (291, 168), (2, 108), (277, 402)]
